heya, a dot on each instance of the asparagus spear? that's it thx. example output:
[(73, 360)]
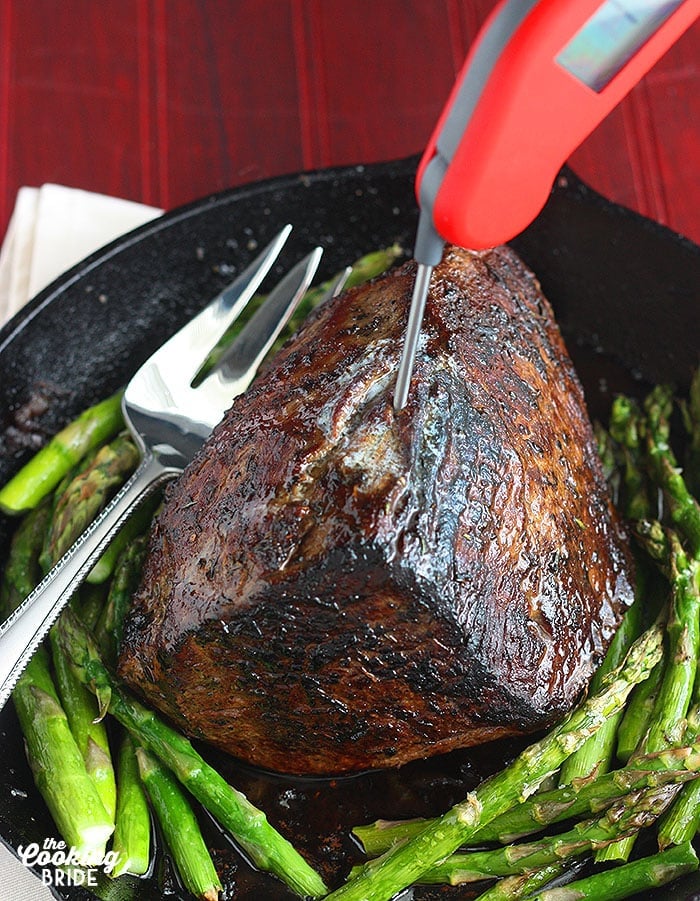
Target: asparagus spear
[(667, 720), (53, 755), (683, 820), (89, 604), (683, 508), (580, 798), (180, 828), (637, 714), (626, 817), (108, 631), (683, 629), (89, 732), (405, 863), (138, 768), (22, 570), (138, 522), (627, 427), (87, 494), (363, 269), (629, 879), (596, 754), (266, 847), (608, 458), (57, 764), (46, 468), (652, 593), (522, 885), (691, 417), (676, 687), (132, 832), (77, 500)]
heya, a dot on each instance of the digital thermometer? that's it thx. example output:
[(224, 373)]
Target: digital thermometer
[(540, 77)]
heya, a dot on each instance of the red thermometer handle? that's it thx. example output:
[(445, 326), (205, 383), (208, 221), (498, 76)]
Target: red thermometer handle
[(539, 79)]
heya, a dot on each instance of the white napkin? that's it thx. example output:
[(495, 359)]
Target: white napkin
[(52, 228)]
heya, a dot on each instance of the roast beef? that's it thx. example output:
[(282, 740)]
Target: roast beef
[(334, 586)]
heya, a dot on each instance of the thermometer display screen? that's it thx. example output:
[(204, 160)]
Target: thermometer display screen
[(611, 37)]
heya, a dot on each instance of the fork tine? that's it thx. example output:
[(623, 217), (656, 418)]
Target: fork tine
[(194, 342), (235, 297), (240, 362), (336, 285)]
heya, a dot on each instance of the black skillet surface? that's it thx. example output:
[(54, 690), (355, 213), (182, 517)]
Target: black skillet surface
[(626, 294)]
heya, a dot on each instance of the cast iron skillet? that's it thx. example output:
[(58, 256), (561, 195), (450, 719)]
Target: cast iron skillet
[(626, 295)]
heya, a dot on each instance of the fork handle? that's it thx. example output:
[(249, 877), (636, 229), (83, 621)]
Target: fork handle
[(24, 630)]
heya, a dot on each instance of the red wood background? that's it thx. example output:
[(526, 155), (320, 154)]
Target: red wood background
[(164, 101)]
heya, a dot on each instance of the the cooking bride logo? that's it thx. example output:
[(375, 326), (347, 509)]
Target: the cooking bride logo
[(57, 864)]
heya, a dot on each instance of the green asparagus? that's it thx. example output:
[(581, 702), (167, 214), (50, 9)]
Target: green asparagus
[(89, 603), (46, 468), (249, 826), (363, 269), (682, 822), (108, 630), (652, 590), (627, 427), (683, 508), (674, 695), (629, 879), (87, 494), (597, 753), (137, 523), (89, 732), (626, 817), (180, 828), (54, 757), (76, 501), (405, 863), (635, 721), (22, 571), (522, 885), (608, 457), (579, 798), (690, 410), (675, 691), (132, 831), (57, 764), (683, 629)]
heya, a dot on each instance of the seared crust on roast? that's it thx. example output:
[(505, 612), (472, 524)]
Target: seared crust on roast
[(333, 586)]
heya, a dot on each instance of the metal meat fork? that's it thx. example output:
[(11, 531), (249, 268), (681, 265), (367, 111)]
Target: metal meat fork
[(169, 420)]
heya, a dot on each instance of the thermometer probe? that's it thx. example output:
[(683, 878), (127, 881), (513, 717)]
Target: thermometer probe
[(541, 75)]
